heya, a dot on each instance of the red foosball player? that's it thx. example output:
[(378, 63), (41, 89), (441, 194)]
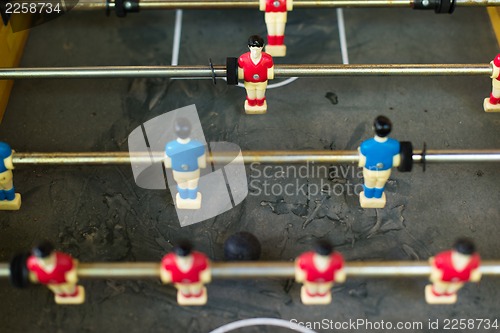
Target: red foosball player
[(57, 270), (255, 68), (492, 104), (451, 270), (318, 270), (276, 17), (188, 270)]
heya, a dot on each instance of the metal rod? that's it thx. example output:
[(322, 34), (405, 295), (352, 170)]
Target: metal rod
[(246, 270), (283, 71), (264, 156), (232, 4)]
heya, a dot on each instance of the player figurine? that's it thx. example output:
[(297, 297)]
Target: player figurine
[(9, 199), (377, 156), (255, 68), (57, 270), (188, 270), (185, 157), (318, 270), (492, 104), (275, 17), (450, 271)]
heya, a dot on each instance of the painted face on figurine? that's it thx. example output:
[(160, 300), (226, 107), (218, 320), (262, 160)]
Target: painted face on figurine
[(255, 51)]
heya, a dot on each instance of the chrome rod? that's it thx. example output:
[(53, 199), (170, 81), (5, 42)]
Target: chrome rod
[(245, 270), (232, 4), (264, 156), (283, 71)]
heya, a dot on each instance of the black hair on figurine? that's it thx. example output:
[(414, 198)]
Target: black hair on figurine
[(183, 248), (182, 128), (43, 250), (323, 247), (382, 126), (256, 41), (242, 246), (464, 246)]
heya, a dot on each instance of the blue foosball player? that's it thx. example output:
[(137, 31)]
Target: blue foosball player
[(185, 157), (377, 156), (9, 199)]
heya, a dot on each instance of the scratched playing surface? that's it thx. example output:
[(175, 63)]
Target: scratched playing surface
[(99, 214)]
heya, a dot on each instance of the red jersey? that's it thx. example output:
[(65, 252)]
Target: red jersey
[(306, 263), (64, 264), (443, 262), (193, 275), (255, 72), (275, 6)]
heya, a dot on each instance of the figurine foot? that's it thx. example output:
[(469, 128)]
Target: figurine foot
[(11, 204), (255, 109), (276, 50), (79, 298), (188, 203), (192, 300), (431, 298), (488, 107), (317, 300), (371, 202)]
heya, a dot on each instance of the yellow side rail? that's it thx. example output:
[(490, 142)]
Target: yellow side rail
[(11, 50)]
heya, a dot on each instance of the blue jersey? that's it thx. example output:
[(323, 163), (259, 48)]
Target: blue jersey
[(5, 151), (379, 155), (184, 156)]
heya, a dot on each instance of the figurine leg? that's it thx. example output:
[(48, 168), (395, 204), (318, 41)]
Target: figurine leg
[(256, 97), (309, 296), (276, 23), (68, 294), (187, 185), (10, 194), (492, 104), (434, 297), (186, 296), (373, 195), (9, 199)]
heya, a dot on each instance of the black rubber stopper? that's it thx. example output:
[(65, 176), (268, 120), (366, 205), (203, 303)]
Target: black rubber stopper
[(232, 71), (242, 246), (445, 7), (19, 274), (406, 153), (120, 9)]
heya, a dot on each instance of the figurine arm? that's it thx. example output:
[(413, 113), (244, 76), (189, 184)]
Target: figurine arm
[(396, 160), (32, 277), (436, 273), (362, 158), (8, 162), (241, 73), (300, 275), (202, 161), (495, 71), (289, 5), (262, 5), (475, 275), (71, 276), (206, 276), (270, 73), (167, 162), (165, 275), (340, 276)]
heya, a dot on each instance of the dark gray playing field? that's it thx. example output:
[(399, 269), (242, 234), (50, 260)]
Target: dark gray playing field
[(97, 213)]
